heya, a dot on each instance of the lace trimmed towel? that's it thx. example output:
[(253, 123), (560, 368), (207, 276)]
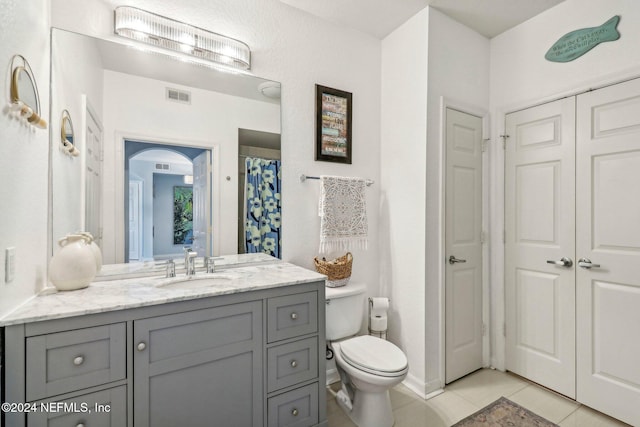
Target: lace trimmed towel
[(343, 214)]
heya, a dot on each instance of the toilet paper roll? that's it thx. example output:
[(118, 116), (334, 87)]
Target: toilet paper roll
[(379, 323), (379, 306)]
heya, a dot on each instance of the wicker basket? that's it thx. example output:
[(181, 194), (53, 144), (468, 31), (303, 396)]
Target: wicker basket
[(338, 270)]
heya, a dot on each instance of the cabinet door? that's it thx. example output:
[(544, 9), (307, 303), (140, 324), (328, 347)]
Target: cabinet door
[(200, 368), (107, 408)]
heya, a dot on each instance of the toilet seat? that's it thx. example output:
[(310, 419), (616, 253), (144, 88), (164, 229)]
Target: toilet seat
[(374, 355)]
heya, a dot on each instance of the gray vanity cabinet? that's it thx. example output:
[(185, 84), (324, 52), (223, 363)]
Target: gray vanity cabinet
[(107, 408), (247, 359), (200, 368)]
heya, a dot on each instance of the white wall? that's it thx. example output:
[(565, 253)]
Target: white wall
[(24, 154), (522, 77), (136, 107), (403, 189), (459, 73), (426, 59)]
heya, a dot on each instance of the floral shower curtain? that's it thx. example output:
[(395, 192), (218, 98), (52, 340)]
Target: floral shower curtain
[(262, 203)]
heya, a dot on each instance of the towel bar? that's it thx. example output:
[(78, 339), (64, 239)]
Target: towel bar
[(304, 177)]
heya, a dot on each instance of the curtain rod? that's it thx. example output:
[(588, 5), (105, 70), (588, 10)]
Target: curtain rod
[(304, 177)]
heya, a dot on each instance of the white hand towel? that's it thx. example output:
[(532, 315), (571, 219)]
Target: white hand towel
[(343, 214)]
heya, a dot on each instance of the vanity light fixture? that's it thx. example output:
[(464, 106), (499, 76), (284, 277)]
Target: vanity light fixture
[(157, 30)]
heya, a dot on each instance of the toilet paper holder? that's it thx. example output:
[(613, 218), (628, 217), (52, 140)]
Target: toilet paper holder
[(378, 333)]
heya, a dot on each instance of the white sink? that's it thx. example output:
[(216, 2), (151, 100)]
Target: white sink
[(196, 281)]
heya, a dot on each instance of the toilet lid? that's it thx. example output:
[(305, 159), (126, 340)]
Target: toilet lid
[(374, 355)]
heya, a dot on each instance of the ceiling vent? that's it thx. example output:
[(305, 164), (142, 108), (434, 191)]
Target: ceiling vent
[(179, 95), (162, 166)]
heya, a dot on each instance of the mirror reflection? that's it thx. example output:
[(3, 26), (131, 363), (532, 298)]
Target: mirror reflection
[(67, 135), (167, 147), (67, 128), (25, 88)]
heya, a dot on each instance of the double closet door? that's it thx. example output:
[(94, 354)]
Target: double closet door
[(572, 263)]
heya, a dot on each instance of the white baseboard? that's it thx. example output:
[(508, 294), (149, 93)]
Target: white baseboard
[(434, 394), (415, 385)]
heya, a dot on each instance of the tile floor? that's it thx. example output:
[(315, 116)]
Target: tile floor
[(471, 393)]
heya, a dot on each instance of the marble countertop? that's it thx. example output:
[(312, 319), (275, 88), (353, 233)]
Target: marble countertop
[(111, 295)]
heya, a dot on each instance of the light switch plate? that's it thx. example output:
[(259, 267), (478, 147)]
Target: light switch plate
[(9, 264)]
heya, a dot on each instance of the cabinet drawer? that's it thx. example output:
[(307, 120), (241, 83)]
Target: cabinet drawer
[(292, 315), (295, 408), (106, 408), (292, 363), (68, 361)]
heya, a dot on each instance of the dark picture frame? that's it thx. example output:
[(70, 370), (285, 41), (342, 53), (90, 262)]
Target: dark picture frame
[(333, 125)]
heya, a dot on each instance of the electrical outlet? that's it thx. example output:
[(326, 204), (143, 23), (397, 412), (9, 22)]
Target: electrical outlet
[(9, 264)]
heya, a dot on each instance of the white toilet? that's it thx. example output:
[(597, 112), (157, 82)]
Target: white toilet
[(368, 366)]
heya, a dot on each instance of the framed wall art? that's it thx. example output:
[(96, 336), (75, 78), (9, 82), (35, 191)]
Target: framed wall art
[(333, 125), (182, 215)]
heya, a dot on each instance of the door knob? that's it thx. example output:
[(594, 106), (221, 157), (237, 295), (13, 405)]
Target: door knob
[(563, 262), (586, 263), (453, 260)]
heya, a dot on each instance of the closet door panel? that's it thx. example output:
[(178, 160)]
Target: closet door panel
[(608, 224), (540, 227)]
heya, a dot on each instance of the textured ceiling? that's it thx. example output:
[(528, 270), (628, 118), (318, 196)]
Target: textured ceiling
[(381, 17)]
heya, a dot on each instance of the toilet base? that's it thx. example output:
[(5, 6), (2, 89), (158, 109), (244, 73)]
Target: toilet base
[(368, 409)]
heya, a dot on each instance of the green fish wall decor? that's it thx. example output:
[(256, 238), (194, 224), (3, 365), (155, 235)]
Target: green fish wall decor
[(576, 43)]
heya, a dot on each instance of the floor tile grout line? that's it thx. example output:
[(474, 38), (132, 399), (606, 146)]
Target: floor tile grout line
[(573, 412), (465, 399)]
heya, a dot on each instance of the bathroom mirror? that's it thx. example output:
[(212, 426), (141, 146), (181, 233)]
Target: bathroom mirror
[(152, 127)]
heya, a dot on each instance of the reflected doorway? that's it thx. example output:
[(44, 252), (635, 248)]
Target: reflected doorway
[(257, 145), (167, 201)]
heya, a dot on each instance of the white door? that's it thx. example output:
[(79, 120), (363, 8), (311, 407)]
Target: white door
[(463, 245), (540, 228), (93, 178), (135, 220), (608, 224), (202, 204)]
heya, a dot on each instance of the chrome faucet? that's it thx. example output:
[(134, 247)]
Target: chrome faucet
[(209, 264), (171, 269), (190, 261)]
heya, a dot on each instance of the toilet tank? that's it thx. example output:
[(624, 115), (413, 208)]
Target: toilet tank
[(344, 310)]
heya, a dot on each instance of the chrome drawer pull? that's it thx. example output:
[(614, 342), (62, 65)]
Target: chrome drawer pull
[(78, 360), (294, 412), (141, 346), (294, 363), (294, 315)]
